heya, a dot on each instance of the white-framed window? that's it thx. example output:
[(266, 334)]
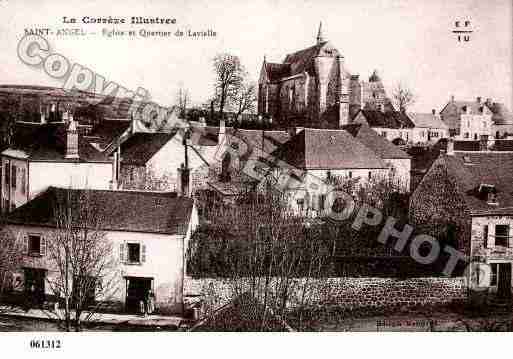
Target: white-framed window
[(35, 245), (132, 253), (502, 235)]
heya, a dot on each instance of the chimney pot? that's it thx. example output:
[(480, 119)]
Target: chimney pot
[(452, 98), (450, 147), (433, 111), (72, 140), (478, 99)]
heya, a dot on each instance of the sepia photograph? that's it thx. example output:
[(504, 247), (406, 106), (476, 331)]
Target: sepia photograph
[(255, 166)]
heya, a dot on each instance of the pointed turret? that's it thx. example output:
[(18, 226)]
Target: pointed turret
[(320, 36)]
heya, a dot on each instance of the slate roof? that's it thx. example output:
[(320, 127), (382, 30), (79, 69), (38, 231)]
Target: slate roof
[(269, 141), (501, 114), (327, 149), (107, 131), (467, 146), (503, 145), (244, 313), (302, 60), (204, 135), (48, 143), (116, 210), (470, 170), (427, 120), (139, 148), (378, 144), (276, 71), (387, 119)]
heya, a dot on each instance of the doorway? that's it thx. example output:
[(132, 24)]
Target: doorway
[(35, 284), (504, 280), (137, 289)]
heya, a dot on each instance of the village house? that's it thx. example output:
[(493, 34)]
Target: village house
[(472, 120), (51, 154), (466, 198), (239, 147), (398, 160), (313, 88), (149, 233), (320, 155), (429, 128), (393, 125)]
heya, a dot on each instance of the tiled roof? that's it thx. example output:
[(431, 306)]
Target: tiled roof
[(48, 143), (381, 146), (327, 149), (387, 119), (427, 120), (139, 148), (470, 170), (116, 210)]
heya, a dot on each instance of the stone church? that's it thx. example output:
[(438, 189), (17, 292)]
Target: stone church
[(312, 88)]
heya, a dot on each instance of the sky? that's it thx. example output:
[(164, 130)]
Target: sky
[(408, 41)]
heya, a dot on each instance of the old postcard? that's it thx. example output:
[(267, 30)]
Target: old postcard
[(255, 166)]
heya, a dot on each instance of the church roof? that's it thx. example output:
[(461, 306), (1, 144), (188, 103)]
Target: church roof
[(302, 60), (276, 71)]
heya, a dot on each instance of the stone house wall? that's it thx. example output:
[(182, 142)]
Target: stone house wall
[(436, 206)]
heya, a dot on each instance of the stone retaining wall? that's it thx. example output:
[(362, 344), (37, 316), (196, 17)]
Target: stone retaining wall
[(348, 293)]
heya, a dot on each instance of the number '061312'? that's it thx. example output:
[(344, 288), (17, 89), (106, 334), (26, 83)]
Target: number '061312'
[(45, 344)]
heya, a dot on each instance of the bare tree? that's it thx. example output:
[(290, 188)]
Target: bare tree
[(262, 249), (245, 98), (81, 257), (182, 100), (229, 74), (10, 259), (403, 96), (9, 114)]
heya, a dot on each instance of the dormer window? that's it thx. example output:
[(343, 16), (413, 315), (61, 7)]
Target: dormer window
[(488, 192)]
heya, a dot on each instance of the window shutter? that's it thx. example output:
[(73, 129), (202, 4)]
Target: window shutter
[(143, 253), (26, 244), (42, 248), (485, 236), (122, 252)]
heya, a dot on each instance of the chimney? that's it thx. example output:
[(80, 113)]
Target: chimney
[(433, 111), (483, 143), (42, 111), (182, 183), (478, 100), (222, 130), (488, 101), (116, 167), (450, 147), (452, 98), (72, 140)]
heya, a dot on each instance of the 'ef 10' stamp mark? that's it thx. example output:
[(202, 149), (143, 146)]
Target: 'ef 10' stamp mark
[(462, 30)]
